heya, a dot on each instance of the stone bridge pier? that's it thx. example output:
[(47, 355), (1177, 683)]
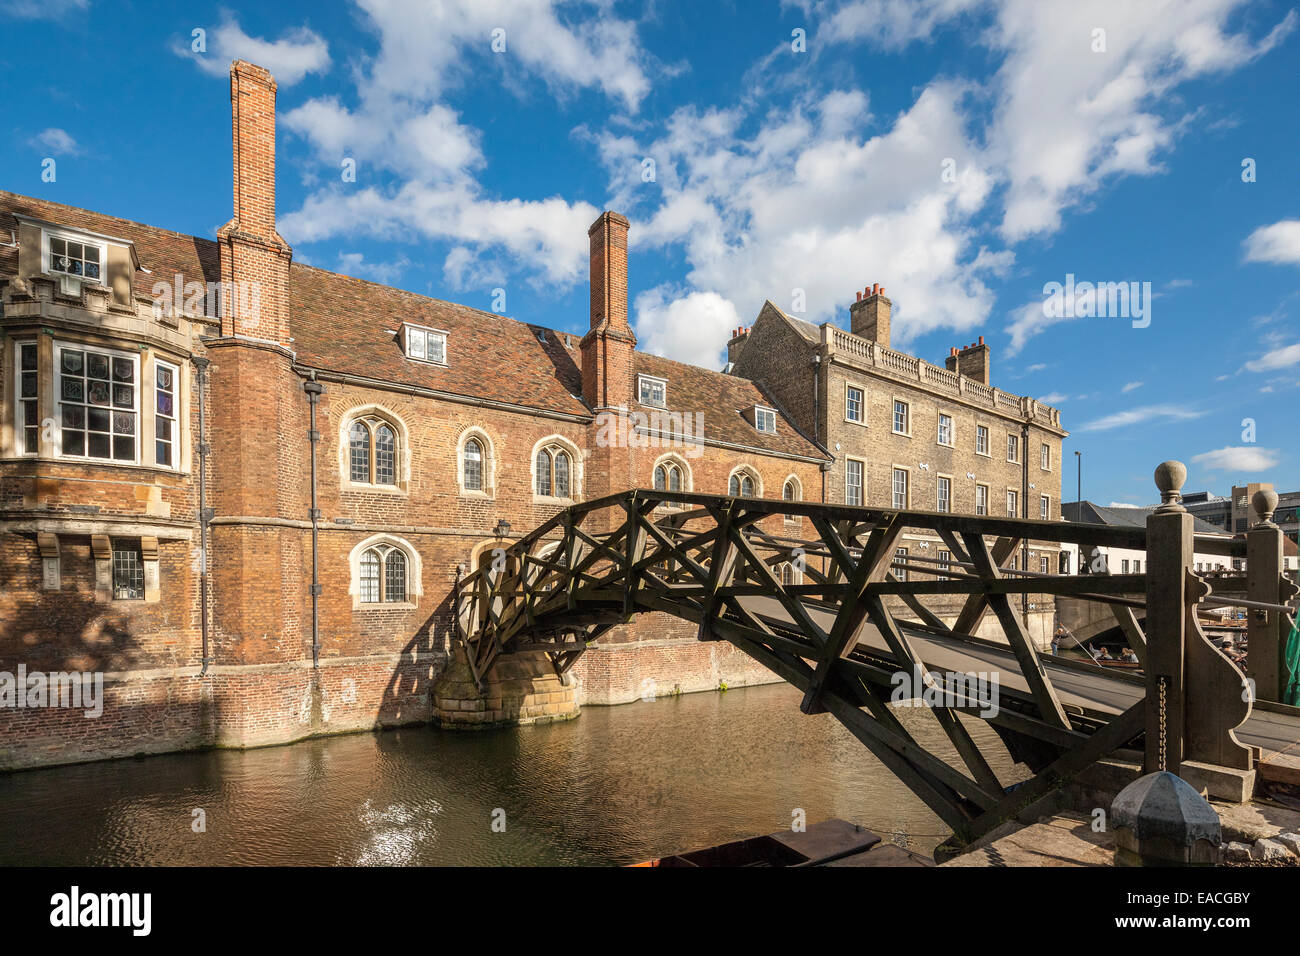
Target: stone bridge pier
[(521, 688)]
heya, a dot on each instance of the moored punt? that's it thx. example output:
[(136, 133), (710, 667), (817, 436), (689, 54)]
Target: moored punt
[(829, 843)]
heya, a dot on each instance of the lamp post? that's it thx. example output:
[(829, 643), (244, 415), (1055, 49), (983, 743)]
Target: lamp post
[(1078, 493), (502, 528)]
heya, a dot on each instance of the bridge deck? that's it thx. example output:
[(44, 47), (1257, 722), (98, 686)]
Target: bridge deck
[(1103, 692)]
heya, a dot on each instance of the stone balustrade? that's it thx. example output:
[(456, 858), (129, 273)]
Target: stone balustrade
[(906, 367)]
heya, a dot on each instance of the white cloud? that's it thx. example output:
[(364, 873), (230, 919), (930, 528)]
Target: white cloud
[(1240, 458), (57, 141), (1055, 398), (1278, 243), (1131, 386), (800, 200), (1122, 504), (550, 234), (356, 264), (688, 328), (762, 204), (43, 9), (1141, 415), (290, 58), (425, 162), (1069, 118), (1278, 358)]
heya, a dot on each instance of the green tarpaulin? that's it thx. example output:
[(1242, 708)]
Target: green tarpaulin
[(1291, 659)]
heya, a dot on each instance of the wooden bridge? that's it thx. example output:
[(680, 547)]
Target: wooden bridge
[(836, 616)]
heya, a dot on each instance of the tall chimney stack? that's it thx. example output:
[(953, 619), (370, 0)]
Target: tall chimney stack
[(607, 348), (971, 361), (254, 259), (869, 315)]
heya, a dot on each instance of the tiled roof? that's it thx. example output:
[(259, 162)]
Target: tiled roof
[(351, 326), (721, 400), (1125, 517), (162, 252)]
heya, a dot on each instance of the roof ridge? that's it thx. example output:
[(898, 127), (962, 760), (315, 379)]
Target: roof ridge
[(428, 298), (4, 193)]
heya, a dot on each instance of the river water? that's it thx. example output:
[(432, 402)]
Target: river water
[(617, 785)]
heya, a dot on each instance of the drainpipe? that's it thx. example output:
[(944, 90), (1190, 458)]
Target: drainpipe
[(313, 389), (1024, 511), (817, 366), (205, 513)]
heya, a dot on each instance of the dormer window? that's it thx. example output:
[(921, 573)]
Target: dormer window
[(426, 345), (73, 255), (80, 259), (765, 419), (652, 391)]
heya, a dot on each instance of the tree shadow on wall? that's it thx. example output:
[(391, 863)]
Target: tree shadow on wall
[(408, 696)]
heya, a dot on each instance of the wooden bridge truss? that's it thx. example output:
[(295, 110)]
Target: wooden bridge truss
[(804, 606)]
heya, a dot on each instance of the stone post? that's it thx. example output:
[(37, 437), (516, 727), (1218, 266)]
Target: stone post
[(1266, 631), (1169, 556)]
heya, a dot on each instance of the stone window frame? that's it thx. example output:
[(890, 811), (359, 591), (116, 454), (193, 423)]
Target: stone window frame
[(139, 364), (978, 486), (907, 492), (901, 553), (101, 553), (792, 479), (20, 402), (401, 455), (414, 572), (986, 453), (575, 470), (749, 471), (939, 416), (893, 430), (72, 235), (672, 460), (1045, 507), (48, 399), (175, 417), (863, 488), (938, 479), (489, 489), (863, 389), (1012, 490), (1013, 437), (1045, 452)]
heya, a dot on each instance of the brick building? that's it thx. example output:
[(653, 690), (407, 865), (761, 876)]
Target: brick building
[(904, 433), (241, 488)]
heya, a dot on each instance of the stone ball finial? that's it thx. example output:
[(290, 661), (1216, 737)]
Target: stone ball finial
[(1264, 502), (1169, 477), (1160, 820)]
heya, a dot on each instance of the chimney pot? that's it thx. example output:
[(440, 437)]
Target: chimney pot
[(859, 296)]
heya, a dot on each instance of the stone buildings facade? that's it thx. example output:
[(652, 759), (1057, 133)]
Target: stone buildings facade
[(240, 489), (908, 434), (236, 491)]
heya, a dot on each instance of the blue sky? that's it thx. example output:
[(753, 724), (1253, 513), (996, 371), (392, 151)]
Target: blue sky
[(963, 153)]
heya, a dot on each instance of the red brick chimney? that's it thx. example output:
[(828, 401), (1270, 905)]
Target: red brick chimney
[(254, 259), (869, 315), (607, 348)]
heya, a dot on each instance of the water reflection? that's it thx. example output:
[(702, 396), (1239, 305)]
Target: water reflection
[(618, 785)]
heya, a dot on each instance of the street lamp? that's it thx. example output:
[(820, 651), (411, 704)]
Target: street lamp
[(1078, 493), (502, 528)]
